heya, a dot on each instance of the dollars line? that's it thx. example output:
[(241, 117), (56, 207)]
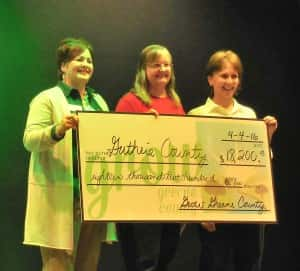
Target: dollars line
[(152, 163)]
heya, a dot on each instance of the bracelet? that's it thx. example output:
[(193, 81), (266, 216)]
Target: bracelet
[(54, 135)]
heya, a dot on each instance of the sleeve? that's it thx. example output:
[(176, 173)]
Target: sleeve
[(37, 135)]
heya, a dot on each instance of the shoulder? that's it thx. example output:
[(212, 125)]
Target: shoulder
[(202, 109), (247, 111), (129, 96), (199, 110), (129, 102), (48, 94)]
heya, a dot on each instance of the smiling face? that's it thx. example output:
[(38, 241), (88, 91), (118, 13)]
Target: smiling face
[(159, 70), (224, 82), (79, 70), (224, 72)]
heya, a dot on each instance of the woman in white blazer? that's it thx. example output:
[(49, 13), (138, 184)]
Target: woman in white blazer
[(52, 215)]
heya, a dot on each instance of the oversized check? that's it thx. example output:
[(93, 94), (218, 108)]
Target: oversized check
[(136, 167)]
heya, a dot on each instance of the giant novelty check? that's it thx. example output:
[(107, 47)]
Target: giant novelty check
[(136, 167)]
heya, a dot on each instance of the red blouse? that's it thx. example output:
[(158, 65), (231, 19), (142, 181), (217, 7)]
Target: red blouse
[(130, 103)]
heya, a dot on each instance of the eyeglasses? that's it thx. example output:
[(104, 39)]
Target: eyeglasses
[(160, 65)]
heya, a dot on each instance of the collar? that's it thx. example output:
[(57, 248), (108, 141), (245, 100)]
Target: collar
[(213, 107), (67, 90)]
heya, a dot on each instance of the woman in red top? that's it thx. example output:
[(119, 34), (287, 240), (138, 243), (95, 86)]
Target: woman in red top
[(148, 246)]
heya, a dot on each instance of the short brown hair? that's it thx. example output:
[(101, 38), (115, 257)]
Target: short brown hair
[(216, 61), (68, 49)]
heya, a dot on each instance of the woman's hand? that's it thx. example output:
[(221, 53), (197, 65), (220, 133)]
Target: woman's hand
[(68, 122), (209, 226), (153, 111), (272, 125)]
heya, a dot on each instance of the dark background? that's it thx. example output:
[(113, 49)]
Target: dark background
[(263, 33)]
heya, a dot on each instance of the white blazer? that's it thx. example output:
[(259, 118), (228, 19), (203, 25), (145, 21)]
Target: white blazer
[(49, 210)]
